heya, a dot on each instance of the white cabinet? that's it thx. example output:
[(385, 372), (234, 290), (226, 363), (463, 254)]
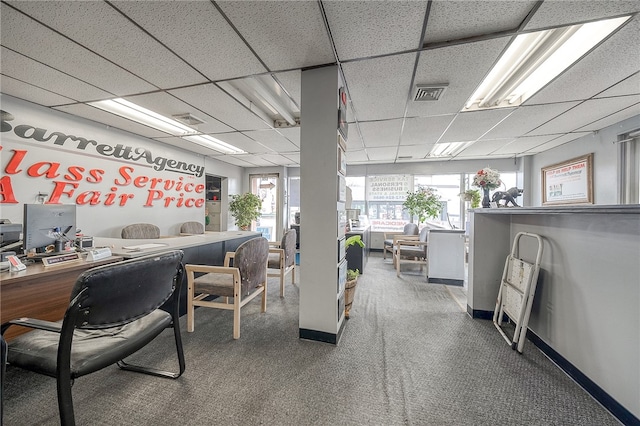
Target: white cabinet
[(445, 254), (212, 211)]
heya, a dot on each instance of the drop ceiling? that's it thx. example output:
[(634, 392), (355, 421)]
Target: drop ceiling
[(173, 57)]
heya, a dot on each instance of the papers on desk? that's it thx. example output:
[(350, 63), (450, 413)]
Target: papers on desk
[(144, 246)]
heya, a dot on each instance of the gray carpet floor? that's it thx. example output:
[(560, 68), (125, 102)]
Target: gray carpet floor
[(409, 355)]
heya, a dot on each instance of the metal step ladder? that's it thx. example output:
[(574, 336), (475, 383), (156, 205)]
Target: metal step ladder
[(517, 287)]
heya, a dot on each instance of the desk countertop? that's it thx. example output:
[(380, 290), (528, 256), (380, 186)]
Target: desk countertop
[(168, 243)]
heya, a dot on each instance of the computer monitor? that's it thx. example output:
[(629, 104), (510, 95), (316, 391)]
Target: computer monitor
[(44, 224)]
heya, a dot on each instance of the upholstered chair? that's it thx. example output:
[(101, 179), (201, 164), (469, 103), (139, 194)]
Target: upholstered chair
[(282, 259), (411, 251), (243, 281), (192, 228), (409, 229), (140, 231)]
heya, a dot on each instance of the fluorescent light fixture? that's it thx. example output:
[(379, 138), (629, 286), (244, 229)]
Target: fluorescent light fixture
[(213, 143), (265, 98), (534, 59), (448, 149), (134, 112)]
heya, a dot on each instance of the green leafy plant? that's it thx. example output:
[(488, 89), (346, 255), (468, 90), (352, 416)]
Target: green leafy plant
[(472, 195), (352, 274), (354, 240), (245, 208), (423, 203)]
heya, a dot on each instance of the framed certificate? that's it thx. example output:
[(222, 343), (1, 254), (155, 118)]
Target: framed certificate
[(568, 182)]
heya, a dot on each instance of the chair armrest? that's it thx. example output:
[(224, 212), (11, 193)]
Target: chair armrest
[(416, 243), (55, 327), (210, 269), (403, 238), (275, 244), (228, 257), (277, 250)]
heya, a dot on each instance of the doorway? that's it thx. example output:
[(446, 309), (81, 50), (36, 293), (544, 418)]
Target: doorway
[(267, 188)]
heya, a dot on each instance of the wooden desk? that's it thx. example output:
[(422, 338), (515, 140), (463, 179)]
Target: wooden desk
[(40, 292), (43, 292)]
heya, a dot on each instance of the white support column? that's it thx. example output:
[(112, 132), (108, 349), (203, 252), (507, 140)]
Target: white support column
[(319, 303)]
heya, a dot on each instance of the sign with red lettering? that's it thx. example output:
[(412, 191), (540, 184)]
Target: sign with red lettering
[(569, 182)]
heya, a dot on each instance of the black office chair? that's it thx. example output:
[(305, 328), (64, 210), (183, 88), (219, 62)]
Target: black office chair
[(115, 310)]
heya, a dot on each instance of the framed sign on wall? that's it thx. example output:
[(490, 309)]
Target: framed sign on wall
[(568, 182)]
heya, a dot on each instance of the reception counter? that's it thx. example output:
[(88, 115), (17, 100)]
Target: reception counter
[(585, 313), (43, 292)]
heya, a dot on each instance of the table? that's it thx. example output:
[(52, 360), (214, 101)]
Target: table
[(43, 292)]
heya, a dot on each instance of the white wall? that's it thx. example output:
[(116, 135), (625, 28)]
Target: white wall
[(57, 164), (605, 161)]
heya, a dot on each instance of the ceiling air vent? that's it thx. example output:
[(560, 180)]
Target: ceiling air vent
[(429, 92), (188, 119)]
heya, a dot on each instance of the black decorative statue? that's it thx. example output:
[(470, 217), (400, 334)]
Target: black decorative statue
[(509, 196)]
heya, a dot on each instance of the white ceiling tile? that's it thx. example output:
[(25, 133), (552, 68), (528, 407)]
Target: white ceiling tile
[(484, 147), (522, 144), (381, 133), (454, 20), (585, 113), (470, 126), (462, 67), (355, 26), (626, 86), (374, 93), (234, 160), (382, 153), (243, 142), (424, 130), (186, 28), (293, 157), (355, 157), (32, 72), (527, 118), (168, 105), (108, 119), (216, 103), (598, 71), (292, 83), (557, 13), (278, 160), (285, 35), (272, 140), (22, 34), (557, 142), (128, 45), (632, 111), (28, 92), (186, 145), (292, 134), (255, 160), (416, 152)]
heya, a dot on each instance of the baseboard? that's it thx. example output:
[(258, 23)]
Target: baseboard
[(478, 314), (321, 336), (446, 281), (614, 407)]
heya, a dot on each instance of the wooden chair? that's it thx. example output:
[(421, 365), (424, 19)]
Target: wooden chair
[(243, 281), (115, 310), (192, 228), (411, 250), (140, 230), (389, 237), (282, 258)]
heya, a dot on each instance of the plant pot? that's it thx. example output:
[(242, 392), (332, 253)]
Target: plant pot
[(349, 293)]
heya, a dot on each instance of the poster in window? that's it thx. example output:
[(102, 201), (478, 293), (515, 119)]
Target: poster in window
[(568, 182)]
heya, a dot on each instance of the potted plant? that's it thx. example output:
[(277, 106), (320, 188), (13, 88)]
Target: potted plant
[(245, 208), (354, 247), (350, 290), (472, 195), (423, 203)]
